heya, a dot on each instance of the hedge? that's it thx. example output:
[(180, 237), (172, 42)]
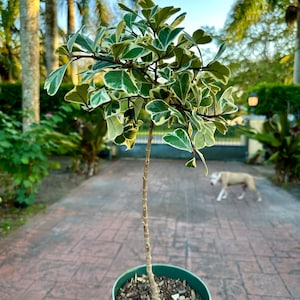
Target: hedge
[(274, 98), (11, 98)]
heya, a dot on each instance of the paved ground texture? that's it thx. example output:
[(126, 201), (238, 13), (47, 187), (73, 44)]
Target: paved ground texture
[(242, 249)]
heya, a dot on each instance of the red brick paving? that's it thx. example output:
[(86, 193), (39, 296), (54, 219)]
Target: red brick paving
[(241, 249)]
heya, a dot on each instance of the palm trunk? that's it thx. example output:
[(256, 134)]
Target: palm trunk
[(51, 38), (30, 59), (153, 284), (71, 29), (296, 77)]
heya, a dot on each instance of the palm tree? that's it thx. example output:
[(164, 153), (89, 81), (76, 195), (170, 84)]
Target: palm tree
[(51, 35), (9, 41), (292, 17), (30, 54), (245, 13)]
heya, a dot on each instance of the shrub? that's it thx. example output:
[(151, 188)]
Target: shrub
[(23, 155)]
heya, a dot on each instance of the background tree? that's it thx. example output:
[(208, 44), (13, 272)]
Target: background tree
[(51, 35), (245, 14), (30, 54), (9, 42)]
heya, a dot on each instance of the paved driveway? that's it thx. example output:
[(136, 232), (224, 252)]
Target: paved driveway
[(241, 249)]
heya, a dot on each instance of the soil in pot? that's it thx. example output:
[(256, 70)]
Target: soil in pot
[(138, 288)]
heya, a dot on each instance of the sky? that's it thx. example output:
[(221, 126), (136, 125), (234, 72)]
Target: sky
[(201, 12)]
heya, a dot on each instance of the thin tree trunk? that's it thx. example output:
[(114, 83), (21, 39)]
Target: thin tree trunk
[(51, 38), (296, 77), (30, 56), (71, 29), (154, 287)]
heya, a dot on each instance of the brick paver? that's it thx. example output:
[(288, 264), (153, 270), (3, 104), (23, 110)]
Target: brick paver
[(242, 249)]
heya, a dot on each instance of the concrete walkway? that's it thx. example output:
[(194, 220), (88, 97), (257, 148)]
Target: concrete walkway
[(242, 249)]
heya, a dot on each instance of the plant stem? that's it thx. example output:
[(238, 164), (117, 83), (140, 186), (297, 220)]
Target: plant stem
[(153, 284)]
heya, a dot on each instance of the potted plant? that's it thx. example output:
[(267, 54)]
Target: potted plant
[(147, 62)]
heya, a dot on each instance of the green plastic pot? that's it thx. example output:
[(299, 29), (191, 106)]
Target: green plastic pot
[(169, 271)]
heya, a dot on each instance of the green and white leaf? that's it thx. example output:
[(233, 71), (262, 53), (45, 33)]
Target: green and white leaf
[(218, 71), (79, 94), (182, 86), (179, 139), (114, 127), (99, 97), (159, 111), (120, 80), (54, 79)]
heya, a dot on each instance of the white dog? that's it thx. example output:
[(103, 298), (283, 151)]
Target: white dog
[(230, 178)]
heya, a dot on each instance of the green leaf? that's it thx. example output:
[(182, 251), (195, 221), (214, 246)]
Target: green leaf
[(203, 160), (177, 114), (62, 50), (143, 85), (142, 25), (220, 51), (79, 94), (100, 34), (227, 103), (182, 57), (114, 127), (137, 106), (178, 20), (103, 64), (119, 29), (129, 19), (133, 52), (85, 43), (162, 14), (200, 37), (167, 35), (159, 111), (221, 126), (72, 40), (126, 8), (182, 86), (205, 137), (54, 79), (179, 139), (191, 163), (219, 71), (98, 98), (146, 3), (160, 93), (112, 109), (120, 80), (118, 49)]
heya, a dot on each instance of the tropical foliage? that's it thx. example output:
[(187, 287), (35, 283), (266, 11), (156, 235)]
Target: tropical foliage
[(281, 140), (24, 155), (246, 15)]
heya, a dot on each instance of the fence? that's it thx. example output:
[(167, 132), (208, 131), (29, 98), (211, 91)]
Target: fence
[(229, 147)]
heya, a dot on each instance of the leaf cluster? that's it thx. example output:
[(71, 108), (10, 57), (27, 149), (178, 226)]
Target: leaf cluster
[(148, 62)]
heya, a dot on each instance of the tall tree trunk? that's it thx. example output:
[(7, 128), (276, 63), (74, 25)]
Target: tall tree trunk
[(296, 77), (51, 38), (30, 56), (71, 29)]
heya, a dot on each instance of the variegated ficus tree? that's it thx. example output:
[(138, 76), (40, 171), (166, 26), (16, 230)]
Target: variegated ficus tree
[(147, 62)]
